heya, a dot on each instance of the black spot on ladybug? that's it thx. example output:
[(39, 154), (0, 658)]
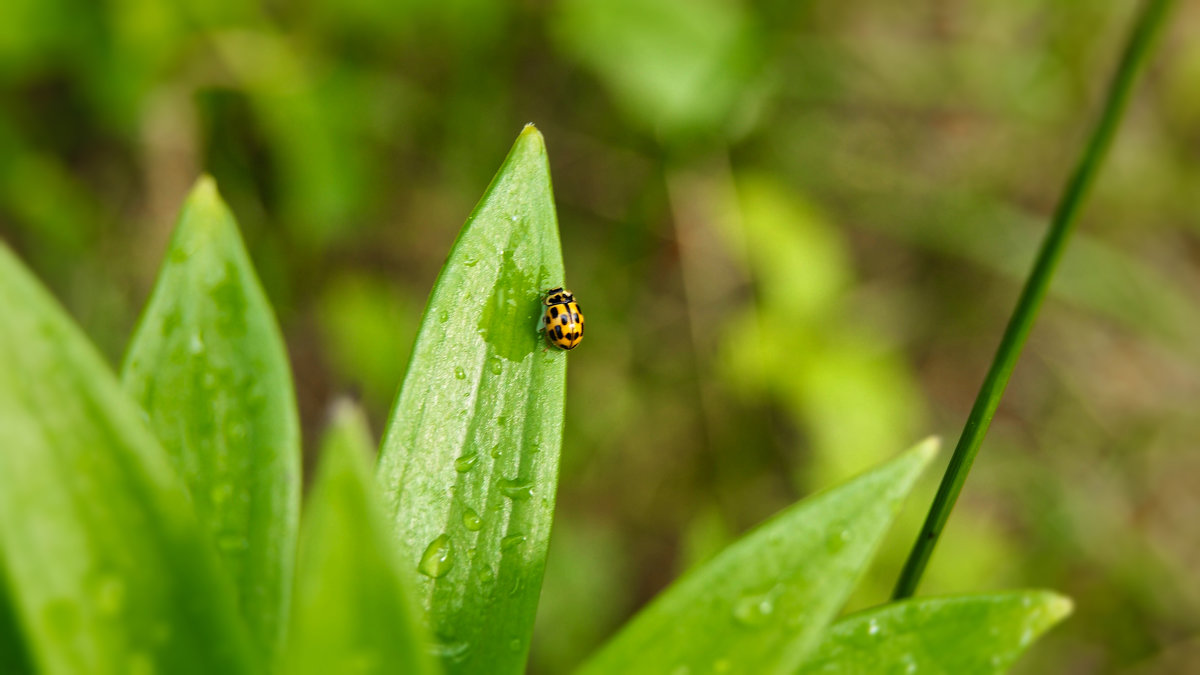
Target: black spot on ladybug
[(554, 312), (558, 334), (546, 318)]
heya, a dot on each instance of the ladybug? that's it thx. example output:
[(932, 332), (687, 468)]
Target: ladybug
[(563, 319)]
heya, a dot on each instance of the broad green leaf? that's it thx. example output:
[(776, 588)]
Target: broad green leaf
[(960, 634), (208, 366), (763, 603), (352, 611), (469, 463), (108, 568)]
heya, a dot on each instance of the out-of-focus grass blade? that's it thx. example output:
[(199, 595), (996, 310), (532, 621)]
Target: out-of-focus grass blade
[(351, 611), (14, 659), (109, 570), (763, 603), (961, 634), (469, 462), (208, 366)]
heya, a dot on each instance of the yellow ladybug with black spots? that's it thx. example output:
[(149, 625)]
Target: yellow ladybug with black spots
[(563, 320)]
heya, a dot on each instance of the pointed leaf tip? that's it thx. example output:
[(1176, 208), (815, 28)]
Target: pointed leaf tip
[(1058, 607), (205, 190), (208, 366), (532, 137), (928, 448)]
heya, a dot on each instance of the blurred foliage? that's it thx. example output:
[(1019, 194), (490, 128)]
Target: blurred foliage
[(797, 229)]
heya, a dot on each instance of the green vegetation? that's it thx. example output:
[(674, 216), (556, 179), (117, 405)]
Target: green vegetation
[(797, 230), (163, 516)]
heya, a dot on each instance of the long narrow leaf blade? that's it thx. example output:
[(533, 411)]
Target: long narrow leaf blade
[(961, 634), (208, 366), (109, 570), (762, 604), (14, 657), (351, 612), (469, 463)]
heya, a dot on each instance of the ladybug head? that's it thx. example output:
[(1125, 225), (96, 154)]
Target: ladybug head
[(559, 295)]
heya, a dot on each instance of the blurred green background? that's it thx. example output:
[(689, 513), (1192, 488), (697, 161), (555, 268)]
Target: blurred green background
[(797, 230)]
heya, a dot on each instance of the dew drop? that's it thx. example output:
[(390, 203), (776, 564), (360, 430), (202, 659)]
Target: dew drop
[(465, 463), (459, 373), (837, 540), (471, 520), (495, 365), (471, 262), (451, 651), (437, 559), (754, 610), (515, 488), (443, 316), (512, 542), (872, 627), (486, 576), (495, 453)]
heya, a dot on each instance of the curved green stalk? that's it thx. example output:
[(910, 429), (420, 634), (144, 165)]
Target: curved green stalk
[(1136, 52)]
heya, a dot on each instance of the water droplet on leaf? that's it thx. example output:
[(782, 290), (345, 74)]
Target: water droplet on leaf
[(465, 463), (837, 540), (471, 520), (754, 610), (515, 488), (437, 559)]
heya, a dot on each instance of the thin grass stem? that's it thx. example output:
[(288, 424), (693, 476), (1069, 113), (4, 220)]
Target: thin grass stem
[(1137, 50)]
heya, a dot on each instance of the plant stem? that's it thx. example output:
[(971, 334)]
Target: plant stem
[(1136, 52)]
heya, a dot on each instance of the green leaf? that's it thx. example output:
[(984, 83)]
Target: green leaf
[(108, 568), (961, 634), (677, 67), (469, 463), (208, 366), (763, 603), (352, 611), (14, 658)]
